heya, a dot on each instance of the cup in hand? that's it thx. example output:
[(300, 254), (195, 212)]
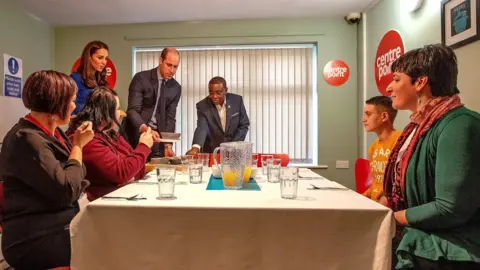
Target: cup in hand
[(166, 182), (288, 182), (273, 170)]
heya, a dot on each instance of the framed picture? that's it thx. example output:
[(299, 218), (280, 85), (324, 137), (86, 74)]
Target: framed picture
[(460, 22)]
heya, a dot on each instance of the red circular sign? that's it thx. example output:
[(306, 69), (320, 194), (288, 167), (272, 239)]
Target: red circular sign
[(390, 49), (336, 72), (111, 72)]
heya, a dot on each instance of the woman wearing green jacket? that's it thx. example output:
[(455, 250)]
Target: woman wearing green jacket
[(432, 180)]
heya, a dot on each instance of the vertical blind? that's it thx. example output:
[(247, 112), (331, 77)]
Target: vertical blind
[(276, 83)]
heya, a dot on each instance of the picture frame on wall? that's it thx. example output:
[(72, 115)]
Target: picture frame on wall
[(460, 22)]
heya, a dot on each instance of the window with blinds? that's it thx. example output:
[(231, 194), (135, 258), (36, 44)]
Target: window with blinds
[(278, 85)]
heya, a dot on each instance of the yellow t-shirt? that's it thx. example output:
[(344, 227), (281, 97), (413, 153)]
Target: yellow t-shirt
[(378, 154)]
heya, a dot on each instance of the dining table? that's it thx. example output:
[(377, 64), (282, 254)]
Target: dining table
[(327, 226)]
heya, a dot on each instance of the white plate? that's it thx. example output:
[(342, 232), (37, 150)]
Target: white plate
[(169, 140)]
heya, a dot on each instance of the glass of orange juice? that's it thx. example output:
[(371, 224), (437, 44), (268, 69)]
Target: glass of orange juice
[(247, 173), (232, 175)]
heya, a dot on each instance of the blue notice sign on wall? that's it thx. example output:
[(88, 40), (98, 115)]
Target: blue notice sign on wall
[(12, 79)]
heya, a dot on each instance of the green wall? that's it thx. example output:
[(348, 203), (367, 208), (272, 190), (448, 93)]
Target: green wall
[(28, 38), (417, 29), (337, 106)]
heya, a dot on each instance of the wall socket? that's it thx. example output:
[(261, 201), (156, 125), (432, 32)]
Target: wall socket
[(342, 164)]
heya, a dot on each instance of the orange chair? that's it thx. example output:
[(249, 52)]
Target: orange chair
[(363, 177)]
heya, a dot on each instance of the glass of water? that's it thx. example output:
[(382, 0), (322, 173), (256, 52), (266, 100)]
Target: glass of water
[(265, 158), (166, 182), (288, 182), (255, 160), (205, 158), (273, 170), (195, 171), (186, 161)]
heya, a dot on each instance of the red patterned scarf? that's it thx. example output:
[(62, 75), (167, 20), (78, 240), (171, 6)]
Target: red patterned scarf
[(422, 120)]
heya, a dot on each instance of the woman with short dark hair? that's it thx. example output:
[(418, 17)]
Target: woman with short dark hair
[(432, 177), (43, 175)]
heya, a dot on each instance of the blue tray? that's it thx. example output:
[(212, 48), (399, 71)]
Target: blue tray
[(217, 184)]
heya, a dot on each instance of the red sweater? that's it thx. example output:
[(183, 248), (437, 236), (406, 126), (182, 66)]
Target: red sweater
[(112, 163)]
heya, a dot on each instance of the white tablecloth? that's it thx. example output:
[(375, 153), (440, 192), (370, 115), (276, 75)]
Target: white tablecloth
[(204, 229)]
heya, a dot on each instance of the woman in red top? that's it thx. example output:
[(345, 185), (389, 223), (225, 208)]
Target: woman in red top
[(110, 160)]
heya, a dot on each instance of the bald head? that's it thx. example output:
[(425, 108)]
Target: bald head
[(167, 51)]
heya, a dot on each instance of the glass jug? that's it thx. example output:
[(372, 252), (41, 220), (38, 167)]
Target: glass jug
[(235, 163)]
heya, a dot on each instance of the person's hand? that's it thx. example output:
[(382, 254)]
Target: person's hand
[(156, 136), (383, 201), (143, 128), (83, 134), (147, 138), (169, 151), (194, 151)]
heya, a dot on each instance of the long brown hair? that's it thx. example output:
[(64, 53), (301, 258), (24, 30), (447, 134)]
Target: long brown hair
[(90, 77)]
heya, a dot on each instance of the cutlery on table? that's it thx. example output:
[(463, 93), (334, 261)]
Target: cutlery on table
[(310, 177), (131, 198), (327, 188)]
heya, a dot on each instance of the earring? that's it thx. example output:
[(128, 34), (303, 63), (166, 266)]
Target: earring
[(418, 98), (52, 119)]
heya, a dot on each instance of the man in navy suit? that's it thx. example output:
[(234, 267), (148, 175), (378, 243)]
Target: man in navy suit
[(153, 97), (221, 118)]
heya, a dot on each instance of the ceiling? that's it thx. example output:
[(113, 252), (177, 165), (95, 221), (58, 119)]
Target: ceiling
[(94, 12)]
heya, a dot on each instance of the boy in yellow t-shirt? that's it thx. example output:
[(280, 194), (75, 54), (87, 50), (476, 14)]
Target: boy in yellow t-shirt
[(378, 117)]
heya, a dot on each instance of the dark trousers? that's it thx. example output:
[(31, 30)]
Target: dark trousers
[(40, 254)]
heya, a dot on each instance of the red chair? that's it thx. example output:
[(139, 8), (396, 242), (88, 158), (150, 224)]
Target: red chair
[(363, 177), (212, 163)]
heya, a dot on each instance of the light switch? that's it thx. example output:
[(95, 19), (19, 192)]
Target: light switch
[(342, 164)]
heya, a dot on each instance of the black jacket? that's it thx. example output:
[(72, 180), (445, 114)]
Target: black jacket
[(41, 185)]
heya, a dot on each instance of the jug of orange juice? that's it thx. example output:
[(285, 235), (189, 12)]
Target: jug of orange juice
[(235, 163)]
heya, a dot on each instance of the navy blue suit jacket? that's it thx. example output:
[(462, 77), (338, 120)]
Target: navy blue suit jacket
[(209, 133), (142, 97)]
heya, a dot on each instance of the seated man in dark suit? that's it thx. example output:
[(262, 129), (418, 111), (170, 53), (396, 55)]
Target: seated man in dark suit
[(153, 97), (221, 118)]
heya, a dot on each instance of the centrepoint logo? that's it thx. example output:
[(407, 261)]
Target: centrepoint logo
[(390, 49), (336, 72)]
